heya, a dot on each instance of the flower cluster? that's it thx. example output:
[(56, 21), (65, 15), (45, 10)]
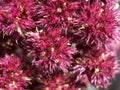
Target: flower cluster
[(65, 44), (11, 75)]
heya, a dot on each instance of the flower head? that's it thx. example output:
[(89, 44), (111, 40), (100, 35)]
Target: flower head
[(11, 76), (97, 70), (98, 23), (16, 15), (57, 13), (50, 50)]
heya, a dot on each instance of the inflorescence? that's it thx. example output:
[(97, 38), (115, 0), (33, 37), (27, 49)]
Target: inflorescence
[(58, 44)]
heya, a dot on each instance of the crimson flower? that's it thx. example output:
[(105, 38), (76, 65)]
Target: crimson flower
[(57, 13), (50, 50), (57, 82), (97, 70), (11, 75), (99, 23), (16, 15)]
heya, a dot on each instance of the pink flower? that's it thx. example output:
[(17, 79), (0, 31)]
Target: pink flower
[(57, 13), (57, 82), (97, 70), (11, 75), (50, 50), (16, 15), (98, 23)]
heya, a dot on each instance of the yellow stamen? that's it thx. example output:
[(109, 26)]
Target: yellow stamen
[(116, 6), (82, 27), (56, 60), (52, 49), (64, 4), (79, 88), (103, 56), (59, 10), (100, 12), (114, 67), (97, 70), (21, 8), (66, 85), (45, 16), (12, 85), (69, 18)]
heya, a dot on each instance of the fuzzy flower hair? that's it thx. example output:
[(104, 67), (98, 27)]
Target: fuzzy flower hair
[(11, 75), (16, 15), (57, 13), (97, 70), (50, 50)]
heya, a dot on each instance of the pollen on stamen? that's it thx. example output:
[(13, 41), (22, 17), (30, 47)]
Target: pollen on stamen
[(56, 60), (64, 4), (103, 56), (59, 10), (12, 85), (69, 18), (52, 49), (97, 70), (79, 88), (21, 8)]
